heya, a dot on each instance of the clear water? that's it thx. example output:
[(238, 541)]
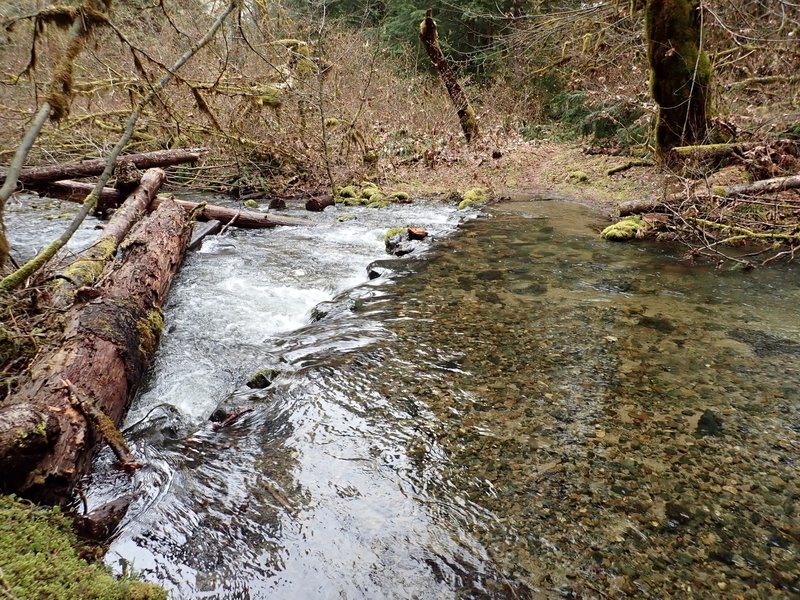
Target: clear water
[(526, 412)]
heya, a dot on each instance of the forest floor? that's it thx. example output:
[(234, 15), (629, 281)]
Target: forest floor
[(541, 169)]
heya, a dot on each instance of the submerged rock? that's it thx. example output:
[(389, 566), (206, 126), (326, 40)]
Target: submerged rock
[(263, 378), (710, 423)]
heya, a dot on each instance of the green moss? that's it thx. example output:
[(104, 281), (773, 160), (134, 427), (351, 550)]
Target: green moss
[(349, 191), (345, 218), (270, 96), (150, 328), (40, 558), (623, 230), (251, 203), (473, 197), (390, 233), (719, 190), (331, 122), (578, 177), (400, 197), (370, 190), (469, 123), (379, 201), (89, 268), (370, 157)]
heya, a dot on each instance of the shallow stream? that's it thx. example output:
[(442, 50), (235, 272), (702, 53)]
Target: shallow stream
[(517, 409)]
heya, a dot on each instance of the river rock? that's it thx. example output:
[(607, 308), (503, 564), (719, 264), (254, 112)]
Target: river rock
[(710, 423)]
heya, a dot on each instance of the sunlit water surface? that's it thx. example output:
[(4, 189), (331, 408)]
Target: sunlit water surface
[(523, 410)]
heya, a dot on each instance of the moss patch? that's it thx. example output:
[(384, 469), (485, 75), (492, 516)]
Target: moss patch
[(623, 230), (578, 177), (39, 556), (473, 197)]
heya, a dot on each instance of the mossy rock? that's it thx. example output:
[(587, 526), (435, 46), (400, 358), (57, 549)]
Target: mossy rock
[(370, 190), (251, 203), (348, 191), (393, 237), (381, 202), (400, 197), (475, 197), (263, 378), (331, 122), (39, 554), (345, 218), (578, 177), (623, 230), (370, 157)]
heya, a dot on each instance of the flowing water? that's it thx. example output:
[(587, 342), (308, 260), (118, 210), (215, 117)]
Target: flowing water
[(521, 410)]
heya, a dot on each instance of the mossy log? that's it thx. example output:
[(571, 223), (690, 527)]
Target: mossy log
[(89, 266), (430, 40), (90, 168), (106, 346), (680, 71)]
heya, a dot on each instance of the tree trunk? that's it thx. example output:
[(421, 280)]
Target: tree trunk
[(94, 167), (430, 39), (680, 71), (89, 266), (105, 349)]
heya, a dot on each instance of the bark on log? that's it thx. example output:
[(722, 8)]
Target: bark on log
[(90, 168), (89, 266), (105, 348), (319, 203), (635, 207), (430, 39)]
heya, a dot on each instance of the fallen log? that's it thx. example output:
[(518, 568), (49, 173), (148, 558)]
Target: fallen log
[(241, 218), (646, 205), (106, 346), (76, 191), (89, 266), (90, 168), (764, 186), (244, 218)]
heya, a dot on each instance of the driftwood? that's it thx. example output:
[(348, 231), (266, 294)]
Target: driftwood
[(89, 266), (764, 186), (105, 348), (90, 168)]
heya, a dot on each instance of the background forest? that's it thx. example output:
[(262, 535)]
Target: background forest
[(293, 88)]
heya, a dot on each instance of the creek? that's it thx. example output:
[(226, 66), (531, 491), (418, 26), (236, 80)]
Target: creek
[(516, 409)]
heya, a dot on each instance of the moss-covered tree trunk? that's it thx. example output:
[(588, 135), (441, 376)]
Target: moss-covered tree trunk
[(47, 438), (680, 71), (430, 39)]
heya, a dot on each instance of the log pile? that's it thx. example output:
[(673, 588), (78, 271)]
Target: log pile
[(76, 391)]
